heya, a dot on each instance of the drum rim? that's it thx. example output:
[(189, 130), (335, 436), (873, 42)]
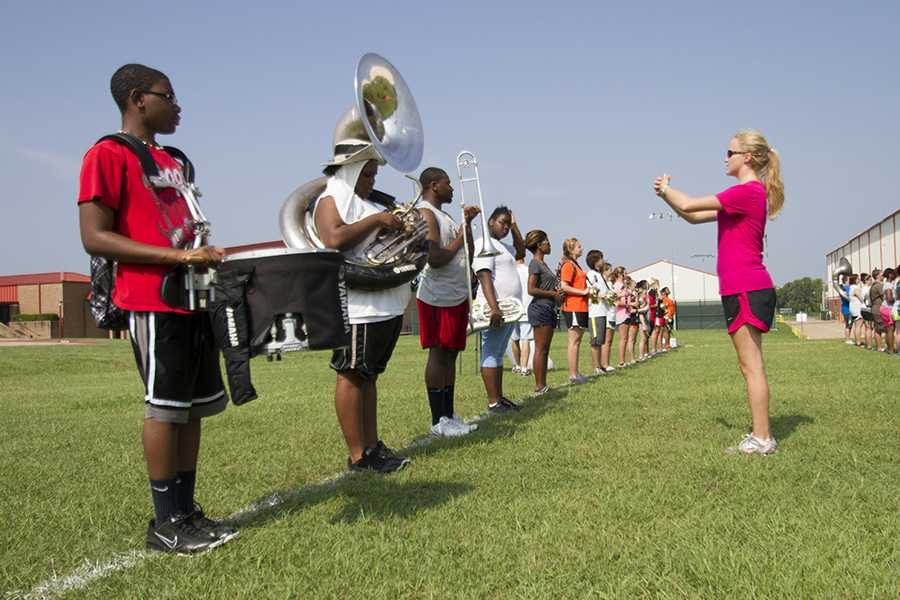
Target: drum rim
[(270, 252)]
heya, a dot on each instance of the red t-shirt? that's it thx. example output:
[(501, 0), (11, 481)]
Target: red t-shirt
[(112, 174), (742, 225)]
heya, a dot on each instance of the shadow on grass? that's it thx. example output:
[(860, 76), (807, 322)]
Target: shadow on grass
[(492, 426), (374, 496), (367, 495), (782, 425)]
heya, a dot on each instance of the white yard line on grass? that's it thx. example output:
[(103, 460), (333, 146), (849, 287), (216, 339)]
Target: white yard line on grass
[(82, 576)]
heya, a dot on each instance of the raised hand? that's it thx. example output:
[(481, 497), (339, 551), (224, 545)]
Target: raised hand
[(660, 184)]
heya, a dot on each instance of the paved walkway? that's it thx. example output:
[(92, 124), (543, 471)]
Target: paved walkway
[(818, 330)]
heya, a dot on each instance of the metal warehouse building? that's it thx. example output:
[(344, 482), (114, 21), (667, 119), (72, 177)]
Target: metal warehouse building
[(878, 247)]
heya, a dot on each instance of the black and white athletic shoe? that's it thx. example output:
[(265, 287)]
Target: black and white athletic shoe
[(179, 535), (386, 452), (376, 460), (216, 529), (509, 403)]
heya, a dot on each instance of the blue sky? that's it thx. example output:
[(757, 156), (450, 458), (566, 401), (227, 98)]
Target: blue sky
[(572, 109)]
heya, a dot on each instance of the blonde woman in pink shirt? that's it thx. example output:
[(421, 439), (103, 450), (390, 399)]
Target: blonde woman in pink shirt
[(747, 290)]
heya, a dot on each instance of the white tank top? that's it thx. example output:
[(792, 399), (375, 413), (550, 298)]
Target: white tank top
[(444, 286)]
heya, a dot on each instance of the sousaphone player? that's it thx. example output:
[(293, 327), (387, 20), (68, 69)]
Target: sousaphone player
[(382, 245)]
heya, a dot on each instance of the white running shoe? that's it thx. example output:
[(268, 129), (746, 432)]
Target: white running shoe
[(446, 427), (754, 445), (849, 342), (599, 371), (610, 369), (462, 424)]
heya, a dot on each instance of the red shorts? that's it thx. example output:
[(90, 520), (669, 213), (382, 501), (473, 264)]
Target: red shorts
[(443, 326)]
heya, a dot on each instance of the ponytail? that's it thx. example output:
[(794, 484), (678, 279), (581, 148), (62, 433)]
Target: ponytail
[(774, 185), (767, 164)]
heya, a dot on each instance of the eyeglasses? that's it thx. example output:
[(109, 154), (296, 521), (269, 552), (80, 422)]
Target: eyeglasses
[(170, 96), (731, 153)]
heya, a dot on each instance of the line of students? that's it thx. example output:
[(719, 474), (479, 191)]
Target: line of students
[(870, 308), (603, 300)]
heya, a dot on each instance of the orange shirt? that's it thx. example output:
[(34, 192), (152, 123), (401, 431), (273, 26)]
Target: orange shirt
[(573, 276), (670, 307)]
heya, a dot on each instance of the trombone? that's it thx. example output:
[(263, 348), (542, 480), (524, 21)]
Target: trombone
[(466, 160), (511, 308)]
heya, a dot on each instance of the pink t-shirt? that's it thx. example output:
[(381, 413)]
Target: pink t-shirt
[(742, 224)]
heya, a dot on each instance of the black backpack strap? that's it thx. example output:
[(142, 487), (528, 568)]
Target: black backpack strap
[(187, 167), (148, 165)]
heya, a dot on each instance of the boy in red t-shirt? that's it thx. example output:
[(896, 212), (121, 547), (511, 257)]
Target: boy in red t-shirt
[(147, 230)]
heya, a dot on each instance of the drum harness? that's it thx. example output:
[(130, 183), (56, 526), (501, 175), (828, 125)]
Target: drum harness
[(106, 314)]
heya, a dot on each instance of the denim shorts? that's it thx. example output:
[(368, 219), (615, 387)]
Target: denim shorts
[(493, 345)]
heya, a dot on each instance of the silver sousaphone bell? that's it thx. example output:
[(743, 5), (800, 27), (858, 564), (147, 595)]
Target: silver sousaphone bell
[(383, 125)]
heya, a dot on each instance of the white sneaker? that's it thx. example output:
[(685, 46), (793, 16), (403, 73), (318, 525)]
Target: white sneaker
[(849, 342), (577, 379), (599, 371), (610, 369), (447, 428), (462, 424), (754, 445)]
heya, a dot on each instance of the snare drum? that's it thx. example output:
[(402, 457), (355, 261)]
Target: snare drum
[(280, 290)]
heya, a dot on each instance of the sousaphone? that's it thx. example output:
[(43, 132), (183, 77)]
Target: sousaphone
[(383, 124)]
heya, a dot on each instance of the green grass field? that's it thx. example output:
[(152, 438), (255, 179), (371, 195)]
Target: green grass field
[(617, 488)]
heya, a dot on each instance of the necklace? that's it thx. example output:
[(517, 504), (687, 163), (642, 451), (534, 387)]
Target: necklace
[(144, 142)]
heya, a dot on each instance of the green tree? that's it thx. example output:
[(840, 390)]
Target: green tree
[(801, 295)]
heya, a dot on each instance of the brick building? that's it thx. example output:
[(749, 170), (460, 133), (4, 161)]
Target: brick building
[(62, 294)]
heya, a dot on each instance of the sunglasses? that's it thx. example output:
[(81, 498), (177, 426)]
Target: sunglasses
[(170, 96), (731, 153)]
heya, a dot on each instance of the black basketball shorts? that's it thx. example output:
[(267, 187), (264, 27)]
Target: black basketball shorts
[(371, 347), (178, 362)]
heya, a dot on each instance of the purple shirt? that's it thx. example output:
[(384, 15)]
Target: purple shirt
[(742, 224)]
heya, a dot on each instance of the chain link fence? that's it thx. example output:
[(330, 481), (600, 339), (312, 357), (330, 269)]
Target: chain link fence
[(701, 314)]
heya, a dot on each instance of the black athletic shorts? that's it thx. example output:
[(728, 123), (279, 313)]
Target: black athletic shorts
[(575, 319), (178, 362), (631, 319), (756, 308), (371, 346), (598, 331)]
